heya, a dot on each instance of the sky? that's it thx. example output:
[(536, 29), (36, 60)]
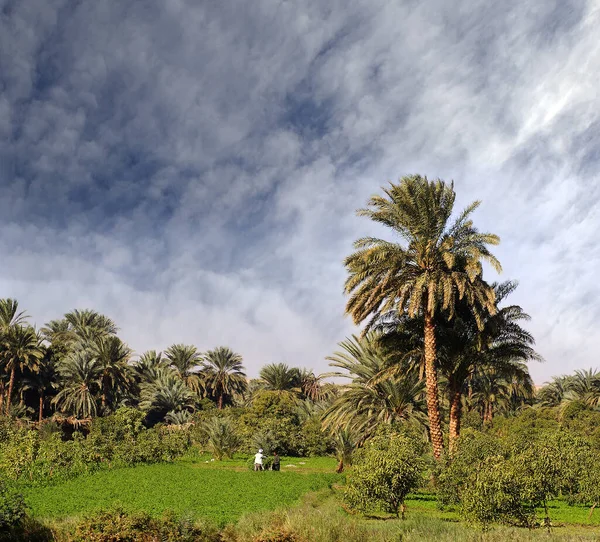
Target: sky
[(192, 169)]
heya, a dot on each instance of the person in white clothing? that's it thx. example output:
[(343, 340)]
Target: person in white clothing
[(258, 460)]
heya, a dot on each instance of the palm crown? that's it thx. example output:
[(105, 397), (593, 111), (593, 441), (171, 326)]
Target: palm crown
[(224, 373)]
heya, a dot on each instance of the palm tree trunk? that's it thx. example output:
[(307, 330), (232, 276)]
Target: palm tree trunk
[(486, 413), (104, 394), (11, 383), (41, 416), (431, 383), (221, 402), (455, 415), (1, 396)]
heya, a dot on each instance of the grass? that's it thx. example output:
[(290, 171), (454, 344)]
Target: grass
[(227, 492), (328, 522), (221, 491)]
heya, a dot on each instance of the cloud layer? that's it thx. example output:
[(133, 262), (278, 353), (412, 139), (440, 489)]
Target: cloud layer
[(192, 169)]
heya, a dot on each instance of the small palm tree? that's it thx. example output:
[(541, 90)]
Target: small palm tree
[(497, 349), (494, 388), (310, 385), (148, 365), (224, 374), (221, 437), (584, 386), (178, 417), (42, 379), (9, 318), (280, 377), (186, 360), (437, 265), (80, 374), (166, 393), (345, 442), (381, 391), (21, 349), (554, 392)]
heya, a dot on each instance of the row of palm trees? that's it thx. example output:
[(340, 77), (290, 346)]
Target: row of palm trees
[(79, 367), (583, 386)]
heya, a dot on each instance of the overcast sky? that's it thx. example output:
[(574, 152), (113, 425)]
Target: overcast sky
[(192, 169)]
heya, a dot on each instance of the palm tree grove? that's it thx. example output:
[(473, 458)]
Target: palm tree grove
[(427, 414)]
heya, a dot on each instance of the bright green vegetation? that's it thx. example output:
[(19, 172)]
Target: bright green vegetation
[(186, 487)]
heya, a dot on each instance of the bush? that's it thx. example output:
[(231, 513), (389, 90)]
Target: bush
[(116, 525), (495, 493), (117, 440), (472, 449), (313, 440), (12, 507), (384, 473), (494, 483)]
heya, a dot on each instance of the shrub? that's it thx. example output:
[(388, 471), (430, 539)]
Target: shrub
[(12, 507), (117, 440), (472, 449), (494, 484), (384, 472), (117, 524), (313, 440), (495, 493)]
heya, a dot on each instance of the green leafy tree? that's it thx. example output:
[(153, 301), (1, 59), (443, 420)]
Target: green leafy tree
[(224, 374), (387, 469), (496, 494), (12, 507), (472, 448), (439, 264)]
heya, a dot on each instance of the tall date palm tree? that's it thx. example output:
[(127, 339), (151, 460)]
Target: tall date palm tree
[(437, 264)]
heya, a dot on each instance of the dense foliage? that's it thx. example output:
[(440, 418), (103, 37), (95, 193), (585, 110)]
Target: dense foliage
[(12, 506), (38, 457)]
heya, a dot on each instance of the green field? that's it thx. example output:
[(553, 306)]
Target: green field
[(221, 491), (228, 492)]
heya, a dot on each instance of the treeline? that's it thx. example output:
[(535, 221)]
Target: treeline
[(78, 368)]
